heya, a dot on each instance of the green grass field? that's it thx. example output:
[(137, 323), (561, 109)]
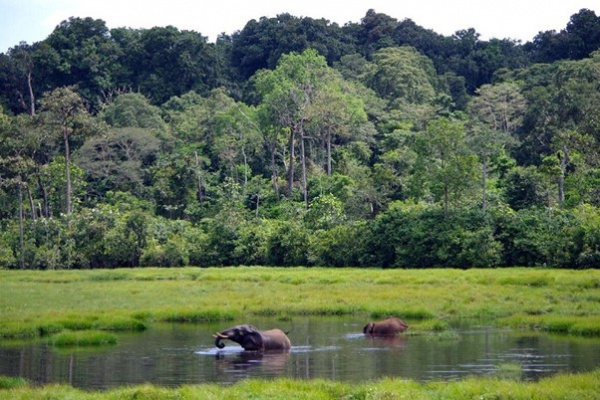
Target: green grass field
[(55, 304), (37, 303), (564, 387)]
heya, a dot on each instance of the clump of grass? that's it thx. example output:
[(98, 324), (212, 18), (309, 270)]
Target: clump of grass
[(557, 324), (18, 330), (589, 283), (142, 315), (521, 321), (82, 338), (329, 310), (576, 326), (587, 327), (78, 322), (50, 328), (292, 280), (194, 316), (418, 314), (532, 279), (109, 276), (120, 324), (12, 382), (269, 312), (436, 329)]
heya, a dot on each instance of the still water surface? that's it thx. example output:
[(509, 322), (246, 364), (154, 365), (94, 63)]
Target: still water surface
[(330, 348)]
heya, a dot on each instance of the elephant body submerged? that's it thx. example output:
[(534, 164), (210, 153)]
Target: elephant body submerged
[(252, 339), (387, 327)]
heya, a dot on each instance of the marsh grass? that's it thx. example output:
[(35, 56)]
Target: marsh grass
[(82, 338), (38, 303), (584, 386), (18, 330), (10, 382), (191, 315), (571, 325)]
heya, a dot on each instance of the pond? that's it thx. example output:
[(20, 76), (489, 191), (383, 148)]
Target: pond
[(329, 348)]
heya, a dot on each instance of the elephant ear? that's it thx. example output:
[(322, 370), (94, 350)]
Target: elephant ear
[(253, 339)]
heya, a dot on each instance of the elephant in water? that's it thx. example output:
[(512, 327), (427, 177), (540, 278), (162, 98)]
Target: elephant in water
[(387, 327), (252, 339)]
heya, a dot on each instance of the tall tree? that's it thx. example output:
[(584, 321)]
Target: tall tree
[(64, 113), (449, 164), (497, 112), (405, 74), (163, 62), (16, 78), (286, 94), (85, 56), (335, 116)]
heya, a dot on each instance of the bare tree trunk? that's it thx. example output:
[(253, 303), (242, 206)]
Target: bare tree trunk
[(31, 95), (257, 204), (564, 161), (21, 240), (199, 183), (45, 212), (291, 164), (68, 171), (304, 181), (31, 205), (328, 153), (245, 167), (274, 175), (484, 183)]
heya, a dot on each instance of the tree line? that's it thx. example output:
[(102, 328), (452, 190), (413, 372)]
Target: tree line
[(295, 141)]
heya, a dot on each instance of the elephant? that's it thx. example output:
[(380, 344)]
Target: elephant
[(387, 327), (251, 339)]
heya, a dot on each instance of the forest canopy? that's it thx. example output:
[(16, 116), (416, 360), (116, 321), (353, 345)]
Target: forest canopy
[(296, 141)]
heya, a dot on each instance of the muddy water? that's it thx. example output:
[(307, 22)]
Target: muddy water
[(331, 348)]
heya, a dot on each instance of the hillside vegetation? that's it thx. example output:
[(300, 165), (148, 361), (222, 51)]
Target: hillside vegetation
[(298, 142)]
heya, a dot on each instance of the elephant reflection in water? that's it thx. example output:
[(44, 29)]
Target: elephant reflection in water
[(388, 341), (271, 363)]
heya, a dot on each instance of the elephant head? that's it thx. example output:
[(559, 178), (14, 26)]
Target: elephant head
[(253, 339), (387, 327)]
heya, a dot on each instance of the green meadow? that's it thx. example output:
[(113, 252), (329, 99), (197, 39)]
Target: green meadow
[(90, 307), (564, 386), (43, 303)]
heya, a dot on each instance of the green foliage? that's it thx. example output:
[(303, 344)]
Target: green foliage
[(403, 74), (132, 110), (288, 245), (340, 246), (7, 256), (422, 236), (299, 142)]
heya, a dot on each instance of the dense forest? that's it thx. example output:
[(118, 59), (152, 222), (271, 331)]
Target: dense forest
[(296, 141)]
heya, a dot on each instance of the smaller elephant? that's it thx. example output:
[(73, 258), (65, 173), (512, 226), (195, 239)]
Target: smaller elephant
[(387, 327), (252, 339)]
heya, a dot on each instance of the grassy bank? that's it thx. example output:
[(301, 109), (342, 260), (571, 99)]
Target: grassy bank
[(564, 386), (38, 303)]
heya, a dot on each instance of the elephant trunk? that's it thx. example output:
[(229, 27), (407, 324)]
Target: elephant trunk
[(218, 336)]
